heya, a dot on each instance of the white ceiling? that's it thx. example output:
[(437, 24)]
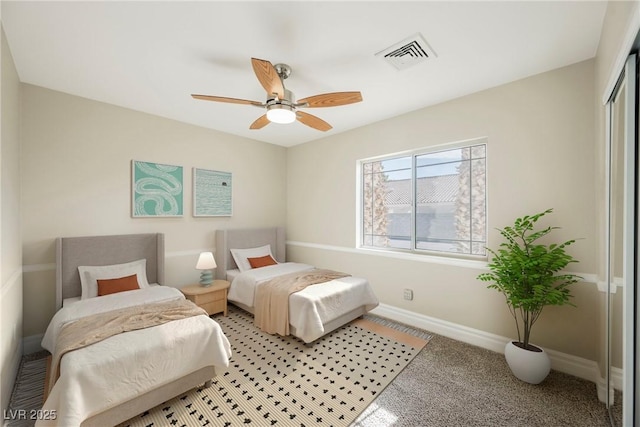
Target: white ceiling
[(150, 56)]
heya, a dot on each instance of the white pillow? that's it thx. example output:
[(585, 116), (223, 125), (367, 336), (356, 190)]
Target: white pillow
[(241, 256), (89, 275)]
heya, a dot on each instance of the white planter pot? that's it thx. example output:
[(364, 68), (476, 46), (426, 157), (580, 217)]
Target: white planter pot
[(529, 366)]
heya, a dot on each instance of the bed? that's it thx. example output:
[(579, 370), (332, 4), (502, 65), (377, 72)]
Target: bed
[(313, 311), (117, 378)]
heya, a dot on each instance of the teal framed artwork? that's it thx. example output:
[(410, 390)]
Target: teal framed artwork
[(157, 190), (212, 191)]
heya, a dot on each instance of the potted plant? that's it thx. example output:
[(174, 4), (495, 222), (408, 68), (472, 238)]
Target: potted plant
[(529, 275)]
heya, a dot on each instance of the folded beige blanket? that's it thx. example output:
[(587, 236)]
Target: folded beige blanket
[(271, 308), (92, 329)]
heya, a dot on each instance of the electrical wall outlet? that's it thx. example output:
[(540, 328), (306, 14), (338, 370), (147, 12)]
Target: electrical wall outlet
[(408, 294)]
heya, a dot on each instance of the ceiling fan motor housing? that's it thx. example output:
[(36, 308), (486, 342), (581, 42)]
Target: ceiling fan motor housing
[(289, 98)]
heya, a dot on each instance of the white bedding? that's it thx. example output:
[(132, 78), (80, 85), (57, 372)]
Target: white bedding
[(312, 307), (124, 366)]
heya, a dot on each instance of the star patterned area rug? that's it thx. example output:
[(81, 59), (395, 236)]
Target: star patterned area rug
[(280, 381)]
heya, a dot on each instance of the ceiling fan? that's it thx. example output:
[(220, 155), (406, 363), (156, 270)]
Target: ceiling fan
[(281, 104)]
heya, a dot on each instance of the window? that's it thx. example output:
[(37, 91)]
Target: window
[(426, 201)]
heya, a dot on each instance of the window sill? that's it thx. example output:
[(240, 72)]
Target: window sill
[(457, 262), (480, 264)]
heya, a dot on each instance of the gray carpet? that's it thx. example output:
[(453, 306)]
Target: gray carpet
[(450, 383), (28, 390), (455, 384)]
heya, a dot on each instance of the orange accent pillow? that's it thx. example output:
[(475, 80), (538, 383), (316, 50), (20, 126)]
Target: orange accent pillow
[(112, 286), (262, 261)]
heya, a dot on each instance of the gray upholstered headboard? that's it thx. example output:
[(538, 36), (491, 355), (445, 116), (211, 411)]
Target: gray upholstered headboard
[(246, 238), (72, 252)]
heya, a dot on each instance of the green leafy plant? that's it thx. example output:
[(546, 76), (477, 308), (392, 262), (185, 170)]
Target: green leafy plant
[(528, 273)]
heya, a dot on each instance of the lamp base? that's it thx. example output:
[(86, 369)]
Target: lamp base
[(206, 278)]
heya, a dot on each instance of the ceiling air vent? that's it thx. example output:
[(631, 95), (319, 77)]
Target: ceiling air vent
[(407, 53)]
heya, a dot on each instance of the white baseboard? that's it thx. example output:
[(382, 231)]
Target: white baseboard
[(9, 374), (31, 344), (442, 327), (616, 381), (572, 365), (616, 378)]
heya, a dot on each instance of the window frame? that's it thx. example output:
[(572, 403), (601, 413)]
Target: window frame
[(414, 154)]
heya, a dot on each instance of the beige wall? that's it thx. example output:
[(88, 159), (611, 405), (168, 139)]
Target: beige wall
[(76, 180), (10, 251), (540, 155)]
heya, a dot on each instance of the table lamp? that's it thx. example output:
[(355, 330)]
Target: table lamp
[(206, 263)]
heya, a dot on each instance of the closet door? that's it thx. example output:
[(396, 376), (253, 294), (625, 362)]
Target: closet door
[(622, 249)]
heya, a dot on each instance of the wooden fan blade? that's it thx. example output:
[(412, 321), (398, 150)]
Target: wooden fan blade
[(312, 121), (268, 77), (331, 99), (260, 122), (230, 100)]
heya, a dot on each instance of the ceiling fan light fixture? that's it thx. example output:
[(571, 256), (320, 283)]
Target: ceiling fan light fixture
[(281, 113)]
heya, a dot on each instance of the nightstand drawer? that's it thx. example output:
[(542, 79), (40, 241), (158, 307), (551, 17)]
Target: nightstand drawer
[(215, 306), (211, 297)]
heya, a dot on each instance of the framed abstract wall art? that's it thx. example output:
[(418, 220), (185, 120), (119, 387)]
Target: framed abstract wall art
[(157, 190), (212, 193)]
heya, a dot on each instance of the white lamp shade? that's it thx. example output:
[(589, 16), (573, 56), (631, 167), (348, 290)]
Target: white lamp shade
[(206, 261), (279, 114)]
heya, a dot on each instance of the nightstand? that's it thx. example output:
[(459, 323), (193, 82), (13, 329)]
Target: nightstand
[(212, 298)]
